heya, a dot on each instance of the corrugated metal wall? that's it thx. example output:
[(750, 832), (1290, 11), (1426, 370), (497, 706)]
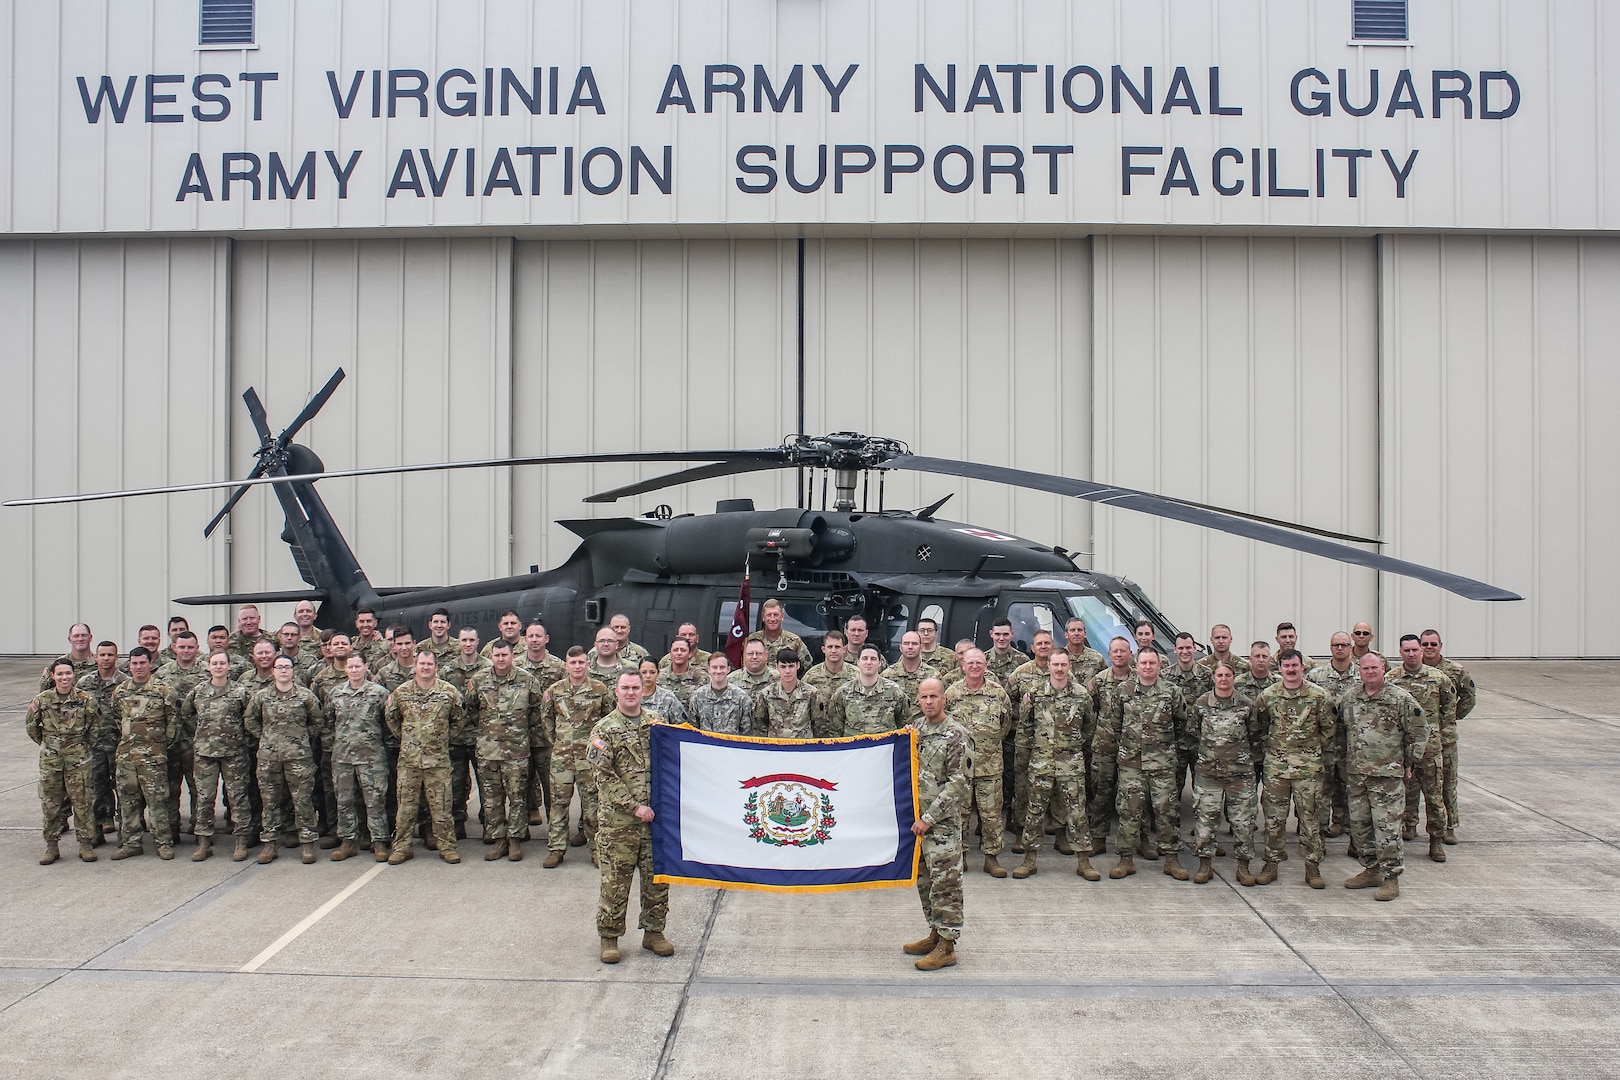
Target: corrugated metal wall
[(114, 377), (1499, 392), (1244, 373)]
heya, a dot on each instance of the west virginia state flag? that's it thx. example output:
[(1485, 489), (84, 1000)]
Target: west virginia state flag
[(783, 815)]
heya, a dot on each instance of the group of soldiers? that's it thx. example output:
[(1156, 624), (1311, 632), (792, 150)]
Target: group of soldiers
[(347, 741)]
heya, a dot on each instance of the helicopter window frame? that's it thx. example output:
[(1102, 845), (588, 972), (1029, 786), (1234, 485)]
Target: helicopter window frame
[(1026, 626), (1098, 632)]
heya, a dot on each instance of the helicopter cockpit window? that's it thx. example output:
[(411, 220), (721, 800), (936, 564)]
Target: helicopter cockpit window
[(935, 612), (897, 616), (1028, 619), (1103, 623)]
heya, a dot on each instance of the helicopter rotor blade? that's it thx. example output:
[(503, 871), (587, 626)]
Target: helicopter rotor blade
[(261, 419), (236, 497), (311, 407), (1159, 506), (685, 476)]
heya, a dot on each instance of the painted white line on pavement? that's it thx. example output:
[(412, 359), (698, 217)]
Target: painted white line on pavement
[(310, 920)]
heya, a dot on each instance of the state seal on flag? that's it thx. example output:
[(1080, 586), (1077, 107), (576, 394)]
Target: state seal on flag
[(789, 810)]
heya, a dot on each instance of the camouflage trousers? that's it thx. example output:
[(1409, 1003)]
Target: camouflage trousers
[(503, 789), (568, 771), (1333, 806), (939, 876), (984, 794), (143, 785), (1140, 790), (358, 788), (207, 774), (1377, 805), (64, 784), (1064, 787), (462, 775), (624, 850), (1104, 792), (1022, 751), (180, 773), (1233, 796), (279, 782), (104, 784), (414, 784), (1306, 794), (1448, 771), (539, 778), (326, 805), (1428, 783)]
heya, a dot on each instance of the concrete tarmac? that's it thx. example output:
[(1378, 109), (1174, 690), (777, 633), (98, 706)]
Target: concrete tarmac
[(1504, 961)]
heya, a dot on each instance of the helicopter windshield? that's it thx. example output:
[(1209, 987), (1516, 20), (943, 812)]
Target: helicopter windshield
[(1103, 623)]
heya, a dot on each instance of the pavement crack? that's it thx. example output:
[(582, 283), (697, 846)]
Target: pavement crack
[(667, 1055), (1538, 813)]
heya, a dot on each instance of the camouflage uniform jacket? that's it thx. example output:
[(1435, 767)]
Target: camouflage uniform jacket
[(519, 647), (619, 751), (1467, 692), (1230, 742), (547, 670), (459, 674), (507, 708), (1147, 721), (751, 683), (854, 709), (986, 715), (685, 685), (284, 722), (425, 722), (81, 668), (183, 681), (1085, 664), (373, 652), (664, 702), (444, 651), (1355, 658), (1338, 683), (325, 680), (64, 725), (1062, 723), (629, 651), (944, 763), (700, 661), (824, 680), (786, 639), (1384, 733), (609, 676), (568, 712), (391, 676), (1103, 686), (1435, 695), (253, 682), (724, 712), (908, 683), (214, 713), (1298, 727), (148, 714), (1193, 684), (101, 692), (1002, 665), (1250, 687), (1239, 665), (355, 720), (1020, 684), (784, 714), (309, 653), (243, 646)]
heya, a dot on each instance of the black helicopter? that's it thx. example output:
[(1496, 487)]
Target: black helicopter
[(891, 566)]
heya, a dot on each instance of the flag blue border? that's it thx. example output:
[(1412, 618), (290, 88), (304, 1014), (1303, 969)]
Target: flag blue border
[(666, 825)]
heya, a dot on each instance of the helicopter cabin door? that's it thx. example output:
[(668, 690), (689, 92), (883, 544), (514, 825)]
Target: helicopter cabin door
[(1028, 613)]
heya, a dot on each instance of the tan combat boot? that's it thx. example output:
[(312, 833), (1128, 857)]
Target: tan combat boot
[(1148, 849), (306, 854), (1313, 876), (1173, 867), (348, 849), (450, 855), (1083, 868), (994, 868), (1061, 845), (1244, 876), (923, 947), (1389, 890), (1124, 868), (1267, 874), (400, 855), (379, 851), (514, 849), (578, 839), (53, 851), (943, 956), (1026, 868), (1369, 878), (1437, 852), (1353, 852), (656, 943), (496, 850), (610, 950), (166, 852), (1206, 870), (1450, 835), (554, 859), (1409, 831), (240, 851), (127, 853), (268, 854), (87, 849), (329, 841), (205, 848)]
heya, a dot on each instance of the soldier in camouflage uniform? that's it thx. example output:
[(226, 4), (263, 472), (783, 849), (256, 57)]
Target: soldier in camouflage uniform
[(570, 708), (1104, 769), (1437, 696), (619, 753), (1193, 682), (682, 676), (443, 647), (773, 637), (783, 709), (1362, 635), (425, 715), (399, 670), (1230, 748), (1467, 696), (100, 684), (1002, 659), (260, 675), (942, 660), (908, 672), (356, 729), (1145, 715), (1220, 652), (183, 674), (627, 651), (980, 706), (1288, 638), (720, 707), (1084, 661), (1019, 683), (79, 654), (330, 673), (659, 699), (149, 637), (546, 669), (147, 719), (956, 675), (247, 633), (699, 659), (1297, 721), (219, 640), (367, 643), (63, 721), (213, 711), (757, 671), (1338, 677), (507, 702), (868, 704), (458, 671), (1062, 722), (286, 719), (944, 762), (1260, 673), (1387, 736), (833, 671)]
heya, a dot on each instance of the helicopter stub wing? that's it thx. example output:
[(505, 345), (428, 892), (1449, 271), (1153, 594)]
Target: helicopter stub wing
[(1193, 514)]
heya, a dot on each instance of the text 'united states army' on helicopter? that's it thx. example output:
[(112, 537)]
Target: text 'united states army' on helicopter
[(892, 566)]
